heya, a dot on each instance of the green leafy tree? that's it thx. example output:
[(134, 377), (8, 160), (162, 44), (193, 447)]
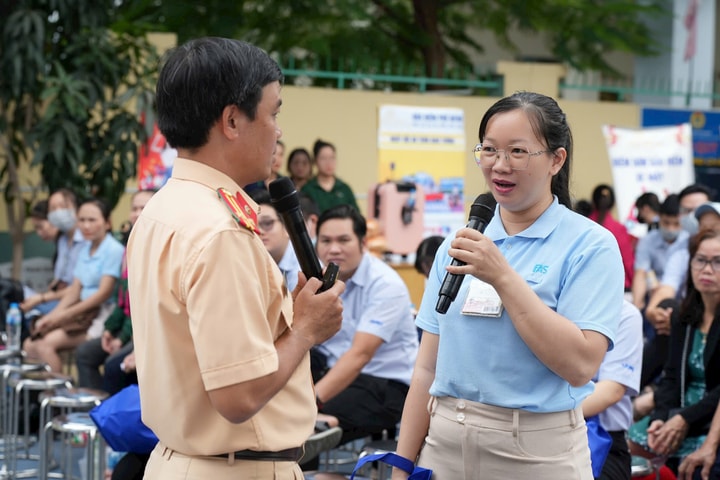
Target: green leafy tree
[(68, 75), (415, 37)]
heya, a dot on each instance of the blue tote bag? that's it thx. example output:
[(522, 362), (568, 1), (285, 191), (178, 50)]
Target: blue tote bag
[(600, 442), (416, 473), (119, 422)]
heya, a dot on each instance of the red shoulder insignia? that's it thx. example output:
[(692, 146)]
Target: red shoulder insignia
[(243, 214)]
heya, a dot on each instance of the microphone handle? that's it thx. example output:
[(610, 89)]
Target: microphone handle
[(452, 282), (305, 251), (302, 244)]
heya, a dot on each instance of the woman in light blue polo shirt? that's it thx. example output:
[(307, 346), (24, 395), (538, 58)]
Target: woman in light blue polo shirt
[(500, 378), (87, 301)]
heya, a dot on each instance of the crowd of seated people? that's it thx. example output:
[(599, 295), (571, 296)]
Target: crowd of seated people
[(676, 280), (661, 370)]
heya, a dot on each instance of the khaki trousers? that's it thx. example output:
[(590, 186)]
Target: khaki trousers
[(473, 441), (167, 464)]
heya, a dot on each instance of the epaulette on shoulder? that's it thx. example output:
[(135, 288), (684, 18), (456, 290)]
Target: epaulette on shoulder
[(243, 214)]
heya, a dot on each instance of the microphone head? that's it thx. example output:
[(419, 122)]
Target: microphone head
[(283, 195), (483, 207)]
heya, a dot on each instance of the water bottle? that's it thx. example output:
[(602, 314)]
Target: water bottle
[(13, 327)]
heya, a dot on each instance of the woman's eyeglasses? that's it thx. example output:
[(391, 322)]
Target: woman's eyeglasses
[(517, 157), (699, 263)]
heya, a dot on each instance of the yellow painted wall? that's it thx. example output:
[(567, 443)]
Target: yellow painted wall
[(349, 119)]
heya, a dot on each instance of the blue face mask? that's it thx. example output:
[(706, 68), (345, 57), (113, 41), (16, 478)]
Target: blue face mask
[(689, 223), (63, 219), (669, 235)]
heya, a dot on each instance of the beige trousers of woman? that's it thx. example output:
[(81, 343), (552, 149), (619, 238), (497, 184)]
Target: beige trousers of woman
[(473, 441)]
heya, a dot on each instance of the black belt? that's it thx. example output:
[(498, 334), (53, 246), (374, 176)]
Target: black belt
[(287, 455)]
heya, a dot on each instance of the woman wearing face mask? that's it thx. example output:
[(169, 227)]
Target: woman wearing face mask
[(85, 304), (62, 205), (654, 249)]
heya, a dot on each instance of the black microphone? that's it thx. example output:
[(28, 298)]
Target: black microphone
[(481, 212), (284, 199)]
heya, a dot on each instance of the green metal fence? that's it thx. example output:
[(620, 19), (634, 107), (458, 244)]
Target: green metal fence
[(395, 77), (480, 82)]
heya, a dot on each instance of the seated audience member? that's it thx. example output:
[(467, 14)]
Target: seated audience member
[(62, 215), (47, 232), (276, 239), (654, 249), (85, 304), (668, 296), (120, 371), (648, 210), (672, 283), (425, 254), (326, 189), (689, 389), (116, 339), (43, 228), (300, 167), (704, 463), (617, 381), (369, 362), (603, 201)]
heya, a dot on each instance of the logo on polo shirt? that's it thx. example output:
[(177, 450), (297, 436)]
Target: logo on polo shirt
[(538, 273), (540, 268)]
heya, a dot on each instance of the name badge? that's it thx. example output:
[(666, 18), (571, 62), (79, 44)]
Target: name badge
[(482, 300)]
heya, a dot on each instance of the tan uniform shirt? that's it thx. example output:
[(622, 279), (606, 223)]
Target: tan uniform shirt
[(208, 303)]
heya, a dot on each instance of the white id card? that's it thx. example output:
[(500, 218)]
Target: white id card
[(482, 300)]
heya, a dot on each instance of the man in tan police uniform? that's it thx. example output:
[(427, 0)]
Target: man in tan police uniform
[(222, 355)]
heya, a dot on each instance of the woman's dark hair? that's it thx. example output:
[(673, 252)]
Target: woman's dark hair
[(342, 212), (650, 199), (549, 123), (200, 78), (603, 200), (260, 196), (583, 207), (39, 211), (319, 145), (425, 253), (692, 308), (68, 195)]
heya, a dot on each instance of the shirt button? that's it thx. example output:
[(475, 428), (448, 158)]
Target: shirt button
[(460, 405), (460, 417)]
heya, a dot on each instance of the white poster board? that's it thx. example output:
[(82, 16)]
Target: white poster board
[(658, 160)]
